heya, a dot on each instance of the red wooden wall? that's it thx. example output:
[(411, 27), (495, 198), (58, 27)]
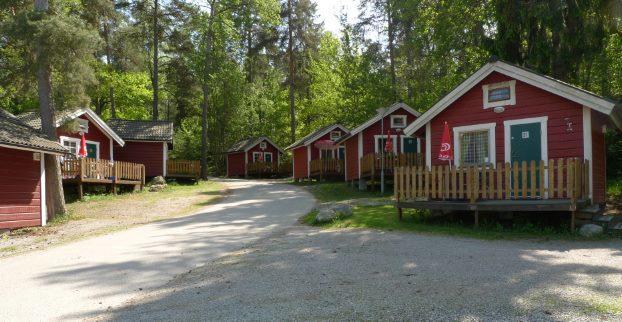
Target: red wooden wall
[(235, 164), (375, 129), (299, 155), (599, 157), (352, 158), (20, 189), (269, 148), (148, 153), (315, 152), (95, 134)]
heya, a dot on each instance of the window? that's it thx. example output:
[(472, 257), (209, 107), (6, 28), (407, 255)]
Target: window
[(499, 94), (262, 145), (267, 157), (84, 125), (398, 121), (475, 144), (335, 135), (73, 145), (257, 156), (326, 154), (381, 141)]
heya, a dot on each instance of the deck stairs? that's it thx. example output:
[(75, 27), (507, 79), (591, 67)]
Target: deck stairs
[(610, 219)]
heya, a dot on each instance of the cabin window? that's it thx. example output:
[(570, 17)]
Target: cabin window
[(84, 125), (326, 154), (499, 94), (398, 121), (381, 142), (257, 157), (335, 135), (73, 145), (262, 145), (267, 157), (474, 145)]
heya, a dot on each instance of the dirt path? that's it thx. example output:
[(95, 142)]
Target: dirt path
[(88, 277), (311, 274)]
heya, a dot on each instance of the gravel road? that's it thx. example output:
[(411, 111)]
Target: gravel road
[(306, 273), (85, 278)]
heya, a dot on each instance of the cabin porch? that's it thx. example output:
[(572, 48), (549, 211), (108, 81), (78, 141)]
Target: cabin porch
[(556, 185), (183, 169), (268, 169), (322, 169), (372, 164), (87, 171)]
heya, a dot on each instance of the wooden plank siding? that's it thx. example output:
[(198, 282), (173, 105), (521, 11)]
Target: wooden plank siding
[(94, 134), (352, 158), (151, 154), (235, 164), (301, 163), (20, 189)]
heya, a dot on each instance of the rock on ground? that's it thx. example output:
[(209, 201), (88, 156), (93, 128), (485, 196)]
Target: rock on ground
[(590, 230), (329, 211)]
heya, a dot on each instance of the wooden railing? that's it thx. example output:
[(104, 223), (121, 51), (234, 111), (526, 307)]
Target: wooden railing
[(103, 171), (371, 163), (285, 168), (557, 179), (183, 168), (326, 167), (259, 168)]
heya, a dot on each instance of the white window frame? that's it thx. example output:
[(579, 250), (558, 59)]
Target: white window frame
[(488, 87), (268, 153), (335, 135), (409, 137), (476, 127), (256, 153), (84, 125), (77, 141), (378, 137), (263, 145), (332, 152), (401, 117), (344, 152)]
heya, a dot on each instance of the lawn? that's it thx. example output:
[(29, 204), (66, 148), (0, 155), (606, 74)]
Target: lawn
[(385, 217), (105, 213)]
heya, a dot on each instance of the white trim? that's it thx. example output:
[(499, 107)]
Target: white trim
[(245, 163), (256, 153), (318, 135), (111, 150), (42, 193), (402, 117), (379, 116), (338, 135), (263, 145), (587, 146), (264, 157), (488, 87), (490, 127), (32, 149), (96, 120), (360, 153), (546, 83), (380, 136), (308, 161), (261, 139), (70, 139), (409, 137), (345, 163), (164, 158), (428, 145)]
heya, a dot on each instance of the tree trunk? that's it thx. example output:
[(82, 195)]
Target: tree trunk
[(391, 31), (290, 53), (54, 198), (154, 79), (206, 91), (113, 108)]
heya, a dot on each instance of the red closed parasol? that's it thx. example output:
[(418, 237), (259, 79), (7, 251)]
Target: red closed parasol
[(446, 153), (325, 145), (82, 152)]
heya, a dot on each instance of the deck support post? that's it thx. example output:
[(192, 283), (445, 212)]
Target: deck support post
[(80, 190), (476, 218)]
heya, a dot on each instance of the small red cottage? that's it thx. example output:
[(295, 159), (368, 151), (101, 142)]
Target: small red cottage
[(100, 138), (505, 113), (22, 173), (146, 142), (370, 138), (308, 152), (253, 156)]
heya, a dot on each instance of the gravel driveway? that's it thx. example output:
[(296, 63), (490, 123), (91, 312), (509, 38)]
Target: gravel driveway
[(85, 278), (306, 273)]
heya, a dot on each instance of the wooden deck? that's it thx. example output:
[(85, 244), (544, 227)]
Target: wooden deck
[(558, 185), (326, 168), (268, 169), (371, 164), (102, 172), (190, 169)]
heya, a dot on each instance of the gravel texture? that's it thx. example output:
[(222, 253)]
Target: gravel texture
[(305, 273)]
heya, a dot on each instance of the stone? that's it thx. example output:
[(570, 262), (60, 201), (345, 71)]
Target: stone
[(329, 211), (590, 230), (159, 180), (156, 187)]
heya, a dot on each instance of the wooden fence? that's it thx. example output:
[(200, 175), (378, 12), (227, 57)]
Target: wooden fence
[(183, 169), (285, 169), (557, 179), (93, 170), (371, 163), (326, 167)]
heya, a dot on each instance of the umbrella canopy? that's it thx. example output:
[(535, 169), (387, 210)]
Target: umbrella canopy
[(82, 152), (447, 152), (388, 147), (325, 145)]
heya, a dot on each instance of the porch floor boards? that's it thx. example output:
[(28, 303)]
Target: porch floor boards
[(496, 205)]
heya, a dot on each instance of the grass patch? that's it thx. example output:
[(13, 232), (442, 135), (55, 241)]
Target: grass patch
[(610, 307), (336, 191), (614, 189)]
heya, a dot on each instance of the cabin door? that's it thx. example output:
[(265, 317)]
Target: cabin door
[(526, 145), (410, 145)]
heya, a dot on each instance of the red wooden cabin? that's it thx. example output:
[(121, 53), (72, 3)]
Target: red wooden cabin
[(254, 156), (308, 151), (146, 142), (369, 139), (505, 113), (22, 173)]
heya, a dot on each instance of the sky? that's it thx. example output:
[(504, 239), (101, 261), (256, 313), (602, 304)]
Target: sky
[(328, 11)]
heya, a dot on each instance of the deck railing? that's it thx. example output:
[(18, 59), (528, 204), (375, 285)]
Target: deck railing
[(262, 168), (557, 179), (183, 168), (326, 167), (371, 163), (94, 170), (285, 168)]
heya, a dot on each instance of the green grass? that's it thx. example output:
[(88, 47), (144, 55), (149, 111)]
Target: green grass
[(337, 191), (614, 189)]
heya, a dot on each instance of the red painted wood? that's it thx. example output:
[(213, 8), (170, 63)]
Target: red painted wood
[(599, 157), (301, 161), (376, 129), (95, 134), (352, 158), (148, 153), (235, 164), (20, 189), (563, 142), (269, 148)]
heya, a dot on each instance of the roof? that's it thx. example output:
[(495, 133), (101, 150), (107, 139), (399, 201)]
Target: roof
[(34, 120), (246, 144), (137, 130), (394, 107), (530, 77), (15, 133), (311, 137)]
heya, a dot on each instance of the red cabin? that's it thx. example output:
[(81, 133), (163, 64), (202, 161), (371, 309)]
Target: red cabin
[(22, 173), (505, 115), (146, 142), (318, 153), (369, 139), (255, 156)]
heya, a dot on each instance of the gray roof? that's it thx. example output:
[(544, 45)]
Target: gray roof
[(245, 144), (14, 132), (137, 130), (318, 132), (33, 119)]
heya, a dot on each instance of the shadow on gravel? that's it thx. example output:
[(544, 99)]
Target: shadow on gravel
[(370, 275)]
